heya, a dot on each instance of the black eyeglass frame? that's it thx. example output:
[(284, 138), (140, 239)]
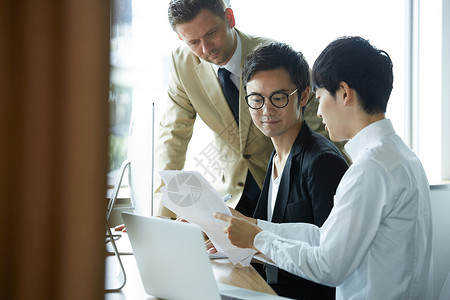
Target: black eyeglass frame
[(270, 99)]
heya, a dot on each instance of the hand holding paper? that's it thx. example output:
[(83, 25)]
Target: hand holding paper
[(240, 231), (191, 196)]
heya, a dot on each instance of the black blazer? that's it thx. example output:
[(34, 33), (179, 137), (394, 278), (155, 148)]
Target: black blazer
[(308, 184)]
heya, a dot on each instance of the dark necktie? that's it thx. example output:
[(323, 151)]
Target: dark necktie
[(230, 91), (251, 191)]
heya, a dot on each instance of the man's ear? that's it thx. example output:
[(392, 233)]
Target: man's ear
[(229, 15), (304, 97), (348, 94)]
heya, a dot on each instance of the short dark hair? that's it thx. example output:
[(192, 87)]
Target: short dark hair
[(363, 67), (182, 11), (275, 55)]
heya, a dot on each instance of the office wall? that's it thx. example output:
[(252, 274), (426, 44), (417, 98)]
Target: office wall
[(445, 89), (440, 205), (54, 62)]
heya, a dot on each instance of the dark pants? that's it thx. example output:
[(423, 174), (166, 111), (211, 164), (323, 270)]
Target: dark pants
[(295, 287)]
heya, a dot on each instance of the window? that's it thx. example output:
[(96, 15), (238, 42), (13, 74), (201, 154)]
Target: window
[(120, 112), (142, 40), (120, 95), (445, 90), (309, 26), (427, 99)]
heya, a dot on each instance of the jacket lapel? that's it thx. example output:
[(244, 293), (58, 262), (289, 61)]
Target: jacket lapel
[(283, 191), (261, 206), (212, 88), (245, 120)]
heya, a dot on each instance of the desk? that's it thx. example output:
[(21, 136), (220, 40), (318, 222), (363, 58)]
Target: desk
[(224, 272)]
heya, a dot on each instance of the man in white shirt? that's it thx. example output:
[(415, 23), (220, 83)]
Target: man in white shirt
[(376, 242)]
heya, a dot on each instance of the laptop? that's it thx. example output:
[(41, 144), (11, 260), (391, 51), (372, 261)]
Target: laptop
[(173, 263)]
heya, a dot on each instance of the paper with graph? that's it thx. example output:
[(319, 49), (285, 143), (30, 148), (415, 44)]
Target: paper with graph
[(192, 197)]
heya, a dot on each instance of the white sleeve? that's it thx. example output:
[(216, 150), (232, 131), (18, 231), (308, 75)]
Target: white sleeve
[(299, 231), (344, 238)]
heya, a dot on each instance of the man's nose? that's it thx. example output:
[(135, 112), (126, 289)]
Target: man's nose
[(268, 106), (319, 113), (206, 46)]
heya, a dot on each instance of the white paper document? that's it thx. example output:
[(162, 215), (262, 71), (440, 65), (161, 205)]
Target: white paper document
[(192, 197)]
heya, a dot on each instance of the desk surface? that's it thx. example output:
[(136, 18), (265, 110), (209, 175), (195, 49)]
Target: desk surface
[(224, 272)]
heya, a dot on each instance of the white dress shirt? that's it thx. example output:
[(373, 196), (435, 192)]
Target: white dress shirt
[(376, 242), (274, 186)]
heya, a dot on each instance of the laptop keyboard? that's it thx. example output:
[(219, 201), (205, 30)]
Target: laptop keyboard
[(225, 297)]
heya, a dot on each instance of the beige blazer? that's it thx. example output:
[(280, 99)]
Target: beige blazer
[(195, 90)]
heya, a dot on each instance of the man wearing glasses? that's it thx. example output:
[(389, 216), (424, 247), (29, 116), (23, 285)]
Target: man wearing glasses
[(305, 168)]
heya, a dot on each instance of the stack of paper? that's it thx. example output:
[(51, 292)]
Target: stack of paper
[(191, 196)]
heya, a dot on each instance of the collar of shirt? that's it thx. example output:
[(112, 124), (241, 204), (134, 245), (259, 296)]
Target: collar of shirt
[(234, 64), (363, 140)]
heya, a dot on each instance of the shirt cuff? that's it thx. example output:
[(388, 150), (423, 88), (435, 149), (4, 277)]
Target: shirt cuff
[(264, 225), (263, 240)]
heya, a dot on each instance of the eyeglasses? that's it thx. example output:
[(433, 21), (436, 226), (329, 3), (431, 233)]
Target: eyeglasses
[(278, 99)]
